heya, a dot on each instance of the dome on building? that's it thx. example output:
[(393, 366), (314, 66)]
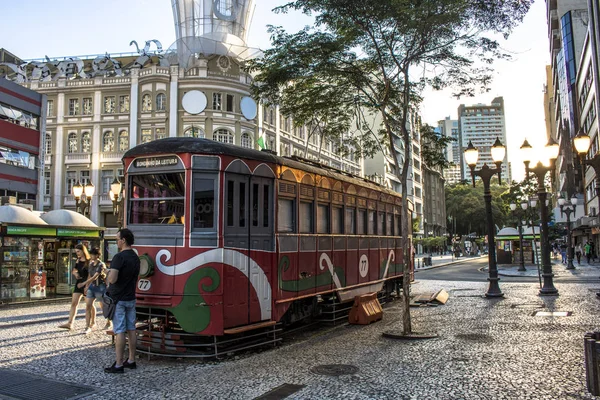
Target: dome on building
[(67, 218), (19, 215), (508, 231)]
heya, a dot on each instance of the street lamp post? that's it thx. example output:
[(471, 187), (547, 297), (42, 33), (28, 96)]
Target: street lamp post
[(568, 210), (486, 173), (83, 197), (582, 145), (540, 170), (117, 200), (513, 208)]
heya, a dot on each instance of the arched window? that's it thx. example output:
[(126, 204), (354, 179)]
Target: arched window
[(146, 136), (194, 132), (161, 102), (48, 144), (86, 143), (246, 141), (73, 143), (223, 136), (108, 142), (146, 103), (123, 140)]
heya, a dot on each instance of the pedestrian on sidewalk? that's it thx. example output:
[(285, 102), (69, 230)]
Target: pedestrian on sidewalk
[(122, 278), (96, 289), (588, 252), (563, 253), (578, 252), (80, 273)]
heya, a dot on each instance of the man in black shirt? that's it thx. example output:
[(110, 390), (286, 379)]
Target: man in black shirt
[(122, 277)]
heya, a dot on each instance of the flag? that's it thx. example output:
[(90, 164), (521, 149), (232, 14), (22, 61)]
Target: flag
[(261, 142)]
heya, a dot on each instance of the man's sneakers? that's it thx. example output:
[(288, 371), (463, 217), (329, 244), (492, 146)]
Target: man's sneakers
[(113, 369)]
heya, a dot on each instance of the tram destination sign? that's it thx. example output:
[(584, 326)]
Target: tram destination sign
[(153, 162)]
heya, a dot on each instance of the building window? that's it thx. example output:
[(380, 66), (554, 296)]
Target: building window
[(194, 132), (86, 143), (216, 101), (71, 180), (73, 106), (161, 102), (108, 142), (110, 104), (146, 103), (123, 141), (146, 135), (230, 103), (161, 133), (271, 116), (223, 136), (48, 144), (50, 108), (124, 104), (246, 141), (84, 177), (107, 178), (47, 182), (87, 106), (73, 143)]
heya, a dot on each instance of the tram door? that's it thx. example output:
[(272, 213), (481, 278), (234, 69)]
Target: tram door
[(248, 228)]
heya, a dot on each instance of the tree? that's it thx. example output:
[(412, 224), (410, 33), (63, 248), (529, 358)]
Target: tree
[(382, 54)]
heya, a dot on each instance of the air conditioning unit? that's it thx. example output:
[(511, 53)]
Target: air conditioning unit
[(7, 200)]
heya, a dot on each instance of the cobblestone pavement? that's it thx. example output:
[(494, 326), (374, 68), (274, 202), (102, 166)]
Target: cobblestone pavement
[(486, 349)]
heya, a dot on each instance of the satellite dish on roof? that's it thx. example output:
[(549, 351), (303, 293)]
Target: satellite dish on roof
[(194, 102), (248, 107)]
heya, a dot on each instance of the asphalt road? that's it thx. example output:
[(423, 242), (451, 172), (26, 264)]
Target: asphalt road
[(472, 270)]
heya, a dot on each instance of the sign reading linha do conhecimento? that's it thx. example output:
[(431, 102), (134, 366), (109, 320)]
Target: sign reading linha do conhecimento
[(151, 162)]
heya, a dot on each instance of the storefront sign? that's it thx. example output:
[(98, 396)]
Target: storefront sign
[(152, 162), (30, 230), (76, 233), (37, 283)]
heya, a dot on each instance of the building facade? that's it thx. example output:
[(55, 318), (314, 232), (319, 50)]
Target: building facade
[(21, 123), (481, 124), (449, 128)]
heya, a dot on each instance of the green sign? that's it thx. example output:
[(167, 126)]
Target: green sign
[(30, 230), (76, 233)]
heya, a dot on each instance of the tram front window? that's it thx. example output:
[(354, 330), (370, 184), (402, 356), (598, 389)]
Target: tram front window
[(157, 198)]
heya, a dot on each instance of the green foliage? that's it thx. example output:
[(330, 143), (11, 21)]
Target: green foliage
[(433, 149)]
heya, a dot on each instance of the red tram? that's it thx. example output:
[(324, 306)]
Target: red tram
[(236, 240)]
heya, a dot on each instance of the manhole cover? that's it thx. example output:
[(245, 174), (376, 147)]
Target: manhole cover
[(528, 305), (475, 337), (334, 369), (552, 314), (25, 386)]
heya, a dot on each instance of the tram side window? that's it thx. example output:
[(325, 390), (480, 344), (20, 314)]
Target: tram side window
[(204, 204), (381, 223), (350, 221), (254, 203), (337, 225), (323, 218), (397, 231), (286, 221), (306, 217), (372, 223), (362, 222), (157, 198), (388, 225)]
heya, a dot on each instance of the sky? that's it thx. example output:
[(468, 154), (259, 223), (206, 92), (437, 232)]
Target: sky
[(33, 29)]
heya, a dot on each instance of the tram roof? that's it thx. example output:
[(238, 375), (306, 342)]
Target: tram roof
[(206, 146)]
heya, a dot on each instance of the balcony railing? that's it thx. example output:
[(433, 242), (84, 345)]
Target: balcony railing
[(113, 156), (78, 158)]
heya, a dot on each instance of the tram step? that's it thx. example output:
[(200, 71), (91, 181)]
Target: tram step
[(247, 328)]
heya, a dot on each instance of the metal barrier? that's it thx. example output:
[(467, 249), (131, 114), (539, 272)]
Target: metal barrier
[(591, 349)]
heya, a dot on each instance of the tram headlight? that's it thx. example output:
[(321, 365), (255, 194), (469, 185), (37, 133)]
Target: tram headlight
[(146, 266)]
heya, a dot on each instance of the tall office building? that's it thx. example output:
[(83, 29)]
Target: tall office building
[(481, 124), (449, 128)]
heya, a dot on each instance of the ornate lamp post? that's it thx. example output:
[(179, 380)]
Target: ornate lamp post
[(540, 170), (117, 200), (582, 145), (568, 210), (486, 173), (513, 208), (83, 197)]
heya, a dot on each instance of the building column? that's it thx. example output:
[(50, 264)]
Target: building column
[(174, 101), (133, 107), (58, 180)]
